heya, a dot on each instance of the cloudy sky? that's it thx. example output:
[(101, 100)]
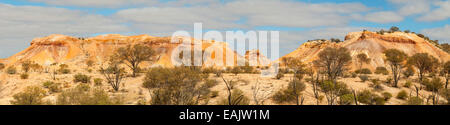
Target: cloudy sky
[(297, 20)]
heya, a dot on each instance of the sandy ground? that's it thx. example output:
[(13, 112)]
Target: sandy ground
[(132, 90)]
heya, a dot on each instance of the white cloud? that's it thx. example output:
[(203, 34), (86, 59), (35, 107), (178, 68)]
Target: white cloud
[(441, 13), (441, 33), (243, 14), (411, 7), (97, 3), (383, 17), (20, 24)]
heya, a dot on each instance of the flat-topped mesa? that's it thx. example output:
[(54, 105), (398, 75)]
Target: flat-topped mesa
[(54, 39), (60, 49)]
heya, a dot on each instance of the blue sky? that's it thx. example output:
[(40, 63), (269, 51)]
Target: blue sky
[(297, 20)]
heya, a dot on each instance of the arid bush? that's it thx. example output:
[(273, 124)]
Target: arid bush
[(364, 71), (52, 86), (402, 95), (2, 66), (26, 65), (177, 86), (24, 76), (32, 95), (376, 85), (387, 96), (395, 59), (367, 97), (290, 94), (63, 69), (237, 98), (81, 78), (414, 101), (82, 96), (381, 70), (364, 78), (214, 94), (11, 70), (98, 81), (434, 85), (333, 90), (346, 99)]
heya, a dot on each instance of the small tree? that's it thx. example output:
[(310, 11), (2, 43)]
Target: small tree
[(394, 29), (26, 66), (32, 95), (134, 55), (334, 61), (423, 62), (395, 58), (114, 74), (362, 59)]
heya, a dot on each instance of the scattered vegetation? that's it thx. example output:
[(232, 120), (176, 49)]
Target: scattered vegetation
[(423, 62), (114, 74), (364, 78), (32, 95), (291, 94), (81, 78), (333, 61), (395, 59), (363, 71), (402, 95), (11, 70), (82, 95), (381, 70), (24, 76)]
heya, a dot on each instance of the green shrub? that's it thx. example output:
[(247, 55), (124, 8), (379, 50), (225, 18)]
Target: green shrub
[(408, 72), (346, 99), (364, 78), (83, 96), (377, 85), (81, 78), (379, 100), (98, 81), (387, 96), (414, 101), (402, 95), (63, 68), (32, 95), (354, 75), (381, 70), (363, 71), (365, 97), (434, 85), (11, 70), (237, 98), (53, 87), (289, 94), (24, 76)]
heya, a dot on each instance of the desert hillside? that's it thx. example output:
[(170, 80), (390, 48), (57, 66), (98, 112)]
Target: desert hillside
[(373, 45)]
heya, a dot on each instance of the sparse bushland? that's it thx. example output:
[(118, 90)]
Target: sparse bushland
[(381, 70), (291, 94), (395, 59), (407, 84), (258, 93), (333, 61), (84, 95), (346, 99), (177, 86), (423, 62), (11, 70), (134, 55), (32, 95), (376, 85), (90, 63), (369, 98), (402, 95), (81, 78), (114, 74)]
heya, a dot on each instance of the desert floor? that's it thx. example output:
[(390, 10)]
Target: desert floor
[(132, 90)]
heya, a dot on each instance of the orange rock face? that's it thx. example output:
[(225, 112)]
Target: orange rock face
[(76, 51), (373, 45)]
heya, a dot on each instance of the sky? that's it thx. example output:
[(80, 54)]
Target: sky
[(296, 20)]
